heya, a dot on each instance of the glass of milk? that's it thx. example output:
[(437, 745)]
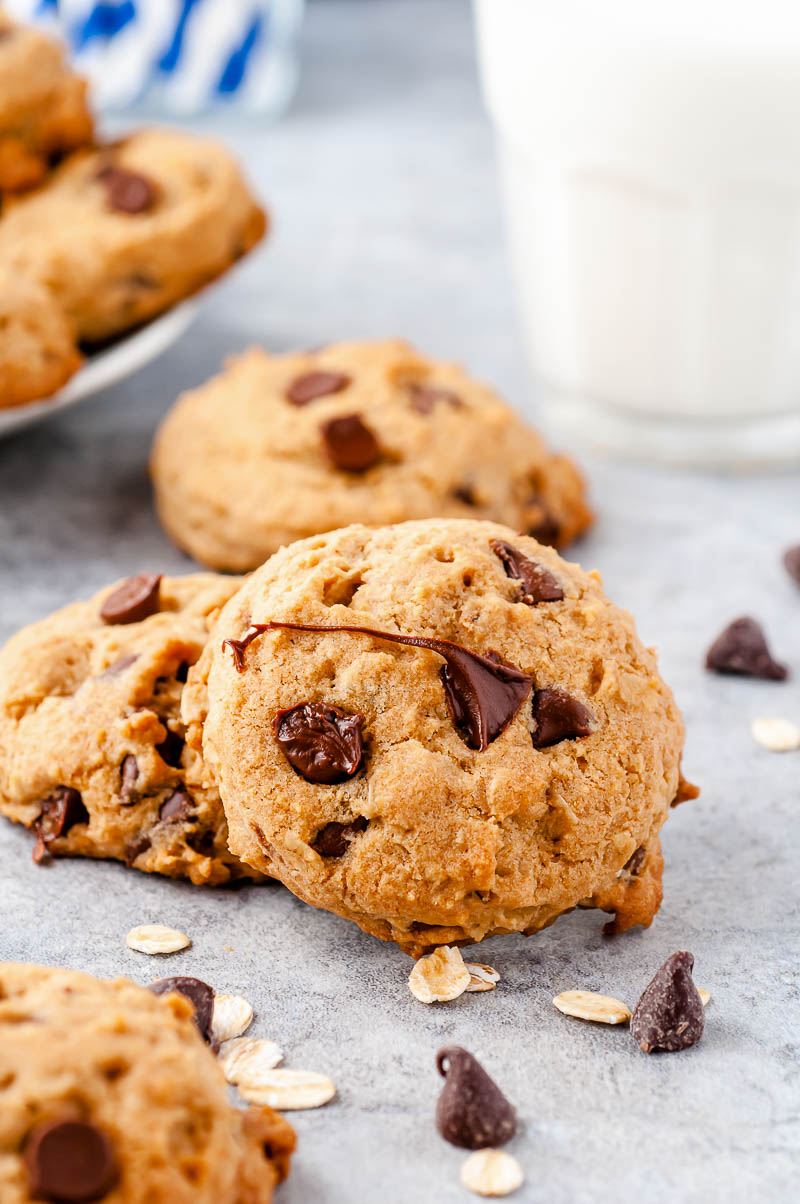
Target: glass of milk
[(650, 155)]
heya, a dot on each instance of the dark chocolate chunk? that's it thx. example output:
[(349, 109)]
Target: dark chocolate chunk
[(127, 191), (465, 494), (312, 385), (197, 992), (60, 812), (177, 806), (635, 863), (791, 559), (333, 840), (669, 1016), (483, 693), (472, 1111), (742, 649), (425, 397), (321, 743), (70, 1162), (558, 716), (202, 841), (134, 848), (129, 776), (117, 667), (350, 444), (171, 747), (134, 600), (538, 585)]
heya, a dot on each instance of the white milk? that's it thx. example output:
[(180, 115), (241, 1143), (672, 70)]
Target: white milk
[(651, 162)]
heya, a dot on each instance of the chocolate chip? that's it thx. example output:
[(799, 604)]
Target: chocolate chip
[(201, 841), (134, 848), (136, 599), (558, 716), (129, 776), (127, 191), (472, 1111), (177, 806), (321, 743), (171, 748), (312, 385), (70, 1162), (635, 863), (117, 667), (197, 992), (546, 531), (60, 812), (742, 649), (538, 585), (350, 444), (483, 693), (465, 494), (334, 839), (791, 559), (182, 671), (669, 1016), (425, 397)]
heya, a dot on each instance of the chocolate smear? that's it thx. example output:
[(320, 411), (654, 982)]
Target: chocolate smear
[(136, 599), (60, 812), (321, 743), (70, 1162), (197, 992), (472, 1111), (558, 716), (334, 839), (483, 693), (312, 385), (741, 649), (538, 585), (350, 444), (669, 1016)]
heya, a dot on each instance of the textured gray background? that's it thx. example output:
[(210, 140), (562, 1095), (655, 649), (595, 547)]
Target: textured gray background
[(386, 220)]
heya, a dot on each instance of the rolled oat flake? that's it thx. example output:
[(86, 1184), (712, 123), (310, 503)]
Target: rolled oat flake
[(669, 1016)]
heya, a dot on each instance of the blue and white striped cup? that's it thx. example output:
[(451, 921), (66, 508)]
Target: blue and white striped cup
[(181, 56)]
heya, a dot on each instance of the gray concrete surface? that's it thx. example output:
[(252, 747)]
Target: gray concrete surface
[(386, 219)]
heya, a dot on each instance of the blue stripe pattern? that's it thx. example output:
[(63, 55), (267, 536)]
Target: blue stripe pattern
[(105, 21), (234, 70), (172, 55)]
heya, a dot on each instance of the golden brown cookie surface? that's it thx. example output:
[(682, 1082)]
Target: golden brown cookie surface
[(279, 447), (429, 793), (37, 345)]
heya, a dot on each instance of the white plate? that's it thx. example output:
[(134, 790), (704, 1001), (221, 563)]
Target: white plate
[(106, 368)]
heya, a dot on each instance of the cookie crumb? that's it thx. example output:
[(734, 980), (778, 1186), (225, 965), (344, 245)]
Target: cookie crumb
[(440, 976), (775, 733), (156, 938), (705, 996), (491, 1173), (288, 1090), (233, 1015), (588, 1005)]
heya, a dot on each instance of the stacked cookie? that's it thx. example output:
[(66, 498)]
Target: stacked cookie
[(111, 235)]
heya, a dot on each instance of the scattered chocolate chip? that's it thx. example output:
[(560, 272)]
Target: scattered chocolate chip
[(312, 385), (483, 693), (742, 649), (333, 840), (60, 812), (171, 748), (197, 992), (127, 191), (134, 848), (472, 1111), (117, 667), (134, 600), (320, 742), (546, 531), (465, 494), (538, 585), (350, 444), (425, 397), (70, 1162), (791, 559), (669, 1016), (129, 776), (558, 716), (177, 806)]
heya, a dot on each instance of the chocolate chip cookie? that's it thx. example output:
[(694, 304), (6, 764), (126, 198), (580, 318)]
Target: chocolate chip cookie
[(108, 1093), (37, 345), (93, 756), (280, 447), (43, 109), (120, 233), (440, 730)]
